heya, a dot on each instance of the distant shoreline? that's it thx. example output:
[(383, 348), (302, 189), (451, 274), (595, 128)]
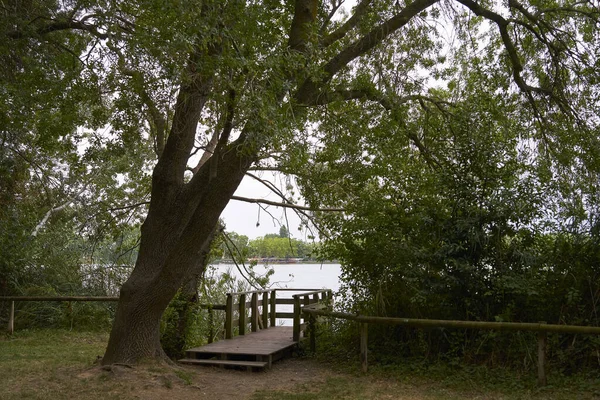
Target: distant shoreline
[(271, 261)]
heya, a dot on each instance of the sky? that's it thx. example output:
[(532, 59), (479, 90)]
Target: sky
[(248, 219)]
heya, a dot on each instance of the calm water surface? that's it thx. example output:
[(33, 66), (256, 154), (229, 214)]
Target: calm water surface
[(300, 276), (303, 276)]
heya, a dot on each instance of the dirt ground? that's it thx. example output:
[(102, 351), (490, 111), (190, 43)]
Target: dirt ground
[(193, 382)]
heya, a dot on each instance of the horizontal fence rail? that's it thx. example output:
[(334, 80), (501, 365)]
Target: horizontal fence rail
[(256, 308), (542, 329), (13, 299)]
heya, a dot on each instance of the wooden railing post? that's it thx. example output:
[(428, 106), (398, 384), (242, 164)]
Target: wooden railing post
[(312, 331), (254, 315), (11, 319), (242, 319), (296, 331), (211, 325), (364, 338), (229, 317), (273, 307), (265, 308), (541, 338)]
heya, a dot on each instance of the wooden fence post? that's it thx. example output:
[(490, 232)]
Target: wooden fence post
[(254, 314), (541, 339), (364, 338), (211, 325), (11, 319), (265, 308), (229, 317), (296, 336), (312, 331), (273, 307), (242, 319)]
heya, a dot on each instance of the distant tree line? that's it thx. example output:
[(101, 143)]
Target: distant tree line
[(272, 245)]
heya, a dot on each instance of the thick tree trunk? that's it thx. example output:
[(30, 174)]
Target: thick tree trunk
[(174, 237)]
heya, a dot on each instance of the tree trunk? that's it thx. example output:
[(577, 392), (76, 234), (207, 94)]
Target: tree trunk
[(173, 240)]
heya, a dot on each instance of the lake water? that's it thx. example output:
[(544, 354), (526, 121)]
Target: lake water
[(302, 276), (294, 276)]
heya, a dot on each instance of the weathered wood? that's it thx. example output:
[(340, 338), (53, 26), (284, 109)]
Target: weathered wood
[(312, 332), (242, 311), (284, 315), (233, 363), (58, 298), (364, 338), (254, 313), (261, 343), (229, 317), (296, 318), (265, 309), (541, 338), (285, 301), (11, 318), (273, 307), (437, 323), (211, 325)]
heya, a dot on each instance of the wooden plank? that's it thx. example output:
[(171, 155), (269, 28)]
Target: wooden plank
[(273, 307), (58, 298), (242, 319), (296, 318), (284, 315), (261, 343), (254, 313), (439, 323), (229, 317), (265, 307), (285, 301), (312, 331), (233, 363)]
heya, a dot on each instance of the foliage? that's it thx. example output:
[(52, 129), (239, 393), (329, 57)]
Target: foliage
[(280, 247), (443, 129), (471, 221)]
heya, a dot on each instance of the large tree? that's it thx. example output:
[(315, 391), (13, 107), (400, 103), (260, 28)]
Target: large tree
[(221, 87)]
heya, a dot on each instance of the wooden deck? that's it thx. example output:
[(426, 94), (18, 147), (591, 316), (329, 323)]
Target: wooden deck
[(253, 350)]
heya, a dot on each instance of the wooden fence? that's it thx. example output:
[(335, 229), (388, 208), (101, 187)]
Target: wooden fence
[(13, 299), (260, 306), (542, 329)]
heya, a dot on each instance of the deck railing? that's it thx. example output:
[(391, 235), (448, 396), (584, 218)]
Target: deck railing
[(261, 308)]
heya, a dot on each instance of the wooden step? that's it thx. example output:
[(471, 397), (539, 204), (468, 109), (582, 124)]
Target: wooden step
[(235, 363)]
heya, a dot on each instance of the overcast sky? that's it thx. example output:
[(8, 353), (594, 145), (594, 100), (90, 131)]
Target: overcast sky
[(243, 217)]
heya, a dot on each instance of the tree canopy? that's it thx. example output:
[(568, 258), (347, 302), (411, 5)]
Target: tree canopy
[(173, 103)]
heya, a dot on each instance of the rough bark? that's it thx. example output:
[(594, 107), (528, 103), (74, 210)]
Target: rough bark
[(182, 216)]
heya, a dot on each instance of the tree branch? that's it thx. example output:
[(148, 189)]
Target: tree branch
[(61, 25), (340, 32), (285, 205), (305, 13), (310, 87), (510, 47)]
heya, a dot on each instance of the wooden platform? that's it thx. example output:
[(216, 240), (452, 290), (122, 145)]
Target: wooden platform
[(253, 350)]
